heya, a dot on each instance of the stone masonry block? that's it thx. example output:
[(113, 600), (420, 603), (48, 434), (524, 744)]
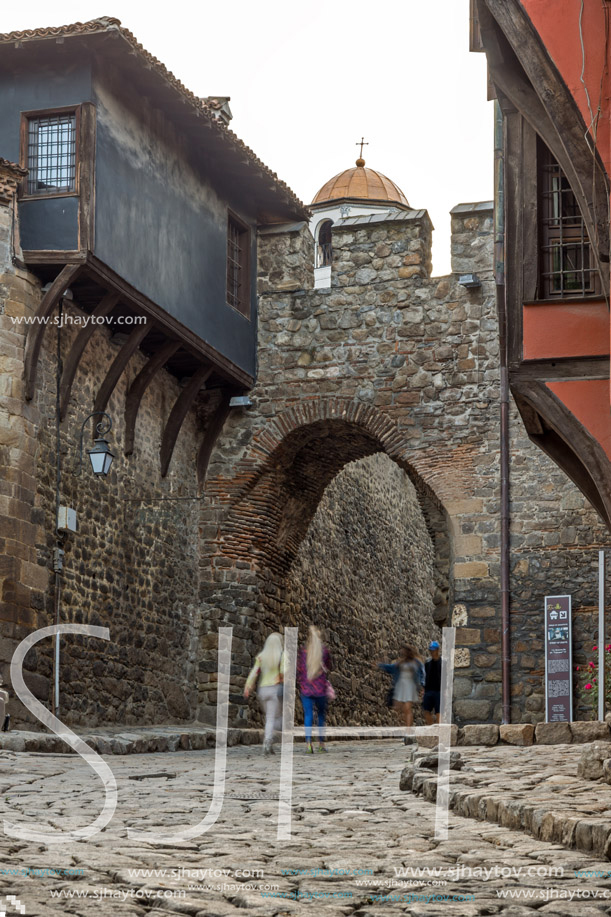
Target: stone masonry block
[(467, 545), (467, 636), (517, 734), (553, 734), (590, 731), (480, 734), (462, 658), (471, 570), (463, 507)]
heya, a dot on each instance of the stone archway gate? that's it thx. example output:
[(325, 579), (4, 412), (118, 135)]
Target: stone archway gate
[(389, 360)]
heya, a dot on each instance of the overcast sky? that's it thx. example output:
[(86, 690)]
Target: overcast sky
[(307, 80)]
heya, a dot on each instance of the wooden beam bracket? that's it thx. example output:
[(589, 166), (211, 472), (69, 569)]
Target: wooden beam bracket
[(178, 414), (36, 330)]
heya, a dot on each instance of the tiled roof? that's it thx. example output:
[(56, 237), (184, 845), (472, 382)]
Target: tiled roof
[(109, 24), (12, 166), (10, 175)]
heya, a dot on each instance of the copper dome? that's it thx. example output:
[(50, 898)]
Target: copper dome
[(362, 184)]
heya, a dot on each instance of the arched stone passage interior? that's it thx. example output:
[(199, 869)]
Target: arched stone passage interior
[(365, 573), (391, 530)]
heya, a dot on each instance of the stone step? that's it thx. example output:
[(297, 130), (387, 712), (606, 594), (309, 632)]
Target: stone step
[(559, 809), (129, 741)]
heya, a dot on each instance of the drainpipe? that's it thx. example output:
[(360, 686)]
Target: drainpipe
[(499, 276), (58, 552)]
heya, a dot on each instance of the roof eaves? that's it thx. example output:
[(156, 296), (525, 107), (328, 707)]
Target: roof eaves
[(109, 24)]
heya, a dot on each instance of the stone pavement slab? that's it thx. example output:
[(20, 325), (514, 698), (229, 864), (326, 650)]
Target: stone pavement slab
[(359, 845)]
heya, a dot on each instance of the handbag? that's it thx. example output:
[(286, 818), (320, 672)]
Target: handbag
[(330, 691), (390, 697)]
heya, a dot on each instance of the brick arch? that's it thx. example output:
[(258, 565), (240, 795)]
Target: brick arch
[(264, 511), (290, 463)]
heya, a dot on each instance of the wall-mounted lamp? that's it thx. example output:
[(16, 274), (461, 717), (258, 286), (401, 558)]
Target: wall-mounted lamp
[(100, 456), (240, 401), (67, 294), (469, 281)]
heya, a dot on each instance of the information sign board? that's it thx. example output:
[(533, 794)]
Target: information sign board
[(558, 659)]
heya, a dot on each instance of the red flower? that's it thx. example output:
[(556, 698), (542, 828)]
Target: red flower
[(588, 686), (576, 668), (608, 647), (591, 664)]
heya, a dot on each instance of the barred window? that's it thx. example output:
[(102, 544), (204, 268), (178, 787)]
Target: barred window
[(51, 154), (238, 280), (567, 267)]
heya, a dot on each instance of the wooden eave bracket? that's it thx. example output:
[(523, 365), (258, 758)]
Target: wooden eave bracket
[(556, 430), (213, 430), (71, 364), (118, 365), (37, 330), (139, 387), (178, 414)]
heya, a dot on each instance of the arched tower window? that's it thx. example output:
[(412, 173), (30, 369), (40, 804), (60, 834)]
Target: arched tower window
[(324, 248)]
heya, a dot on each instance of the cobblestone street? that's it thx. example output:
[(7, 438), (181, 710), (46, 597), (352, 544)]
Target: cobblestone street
[(359, 845)]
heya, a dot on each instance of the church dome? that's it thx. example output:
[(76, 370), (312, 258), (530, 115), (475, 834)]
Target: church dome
[(360, 183)]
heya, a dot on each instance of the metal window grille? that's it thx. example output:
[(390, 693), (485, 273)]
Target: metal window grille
[(237, 265), (52, 154), (566, 255)]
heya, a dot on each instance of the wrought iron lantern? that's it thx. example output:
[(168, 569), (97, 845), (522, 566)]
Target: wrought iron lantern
[(100, 455)]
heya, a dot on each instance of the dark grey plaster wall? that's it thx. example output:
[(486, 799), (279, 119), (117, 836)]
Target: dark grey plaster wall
[(162, 226)]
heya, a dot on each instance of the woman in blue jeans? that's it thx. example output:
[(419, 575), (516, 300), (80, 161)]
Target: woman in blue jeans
[(313, 663)]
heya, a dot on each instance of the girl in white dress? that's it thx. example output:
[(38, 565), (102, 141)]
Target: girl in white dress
[(407, 676)]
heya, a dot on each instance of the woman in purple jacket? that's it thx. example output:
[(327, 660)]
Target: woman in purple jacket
[(313, 663)]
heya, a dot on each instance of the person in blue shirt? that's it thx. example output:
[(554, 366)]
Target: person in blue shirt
[(431, 702)]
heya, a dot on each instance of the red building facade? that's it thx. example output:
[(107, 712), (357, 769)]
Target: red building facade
[(549, 69)]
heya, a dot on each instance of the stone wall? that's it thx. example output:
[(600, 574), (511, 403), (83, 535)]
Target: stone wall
[(132, 566), (392, 360), (388, 360)]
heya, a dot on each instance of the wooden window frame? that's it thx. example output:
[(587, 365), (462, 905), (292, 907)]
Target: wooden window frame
[(26, 117), (562, 234), (240, 300)]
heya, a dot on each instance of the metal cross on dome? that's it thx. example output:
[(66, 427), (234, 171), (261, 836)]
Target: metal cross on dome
[(361, 143)]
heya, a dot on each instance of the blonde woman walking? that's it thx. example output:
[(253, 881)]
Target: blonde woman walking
[(269, 669), (313, 663)]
